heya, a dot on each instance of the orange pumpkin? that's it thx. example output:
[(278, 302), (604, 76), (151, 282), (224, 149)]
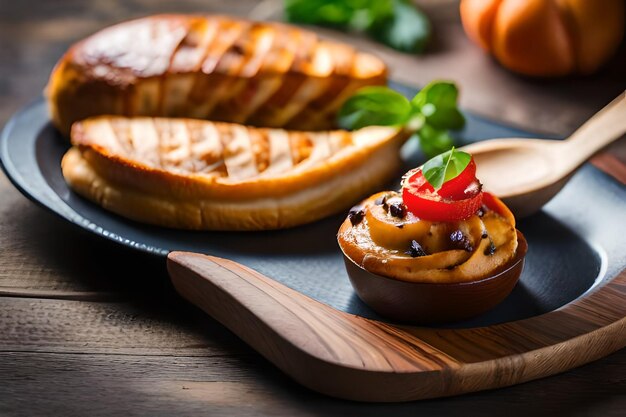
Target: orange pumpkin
[(546, 37)]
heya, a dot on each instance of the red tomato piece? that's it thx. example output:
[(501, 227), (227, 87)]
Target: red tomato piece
[(457, 187), (458, 199)]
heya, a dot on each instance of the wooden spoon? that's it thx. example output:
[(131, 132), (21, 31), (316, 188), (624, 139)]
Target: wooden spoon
[(527, 173)]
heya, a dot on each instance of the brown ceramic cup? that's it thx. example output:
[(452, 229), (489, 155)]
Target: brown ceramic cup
[(428, 303)]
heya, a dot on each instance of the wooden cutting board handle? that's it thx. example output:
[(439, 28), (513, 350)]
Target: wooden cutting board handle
[(351, 357)]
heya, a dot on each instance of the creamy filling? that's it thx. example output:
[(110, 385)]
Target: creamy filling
[(382, 236)]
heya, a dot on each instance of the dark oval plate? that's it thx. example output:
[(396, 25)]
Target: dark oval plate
[(576, 242)]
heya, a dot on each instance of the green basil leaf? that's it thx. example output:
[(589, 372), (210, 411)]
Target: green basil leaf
[(438, 103), (319, 12), (369, 12), (374, 106), (397, 23), (434, 141), (407, 29), (445, 167), (357, 15)]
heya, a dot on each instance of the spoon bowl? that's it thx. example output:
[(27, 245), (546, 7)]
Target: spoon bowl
[(527, 173)]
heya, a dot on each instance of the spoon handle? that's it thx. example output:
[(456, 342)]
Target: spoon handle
[(606, 126)]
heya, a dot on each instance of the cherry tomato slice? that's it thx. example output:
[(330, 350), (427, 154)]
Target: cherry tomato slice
[(492, 202), (457, 187), (433, 207), (459, 200)]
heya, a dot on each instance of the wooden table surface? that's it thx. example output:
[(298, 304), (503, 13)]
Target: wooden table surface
[(90, 328)]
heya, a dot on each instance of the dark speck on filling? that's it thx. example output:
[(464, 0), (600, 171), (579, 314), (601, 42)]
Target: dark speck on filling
[(490, 250), (484, 235), (416, 250), (356, 215), (461, 241), (398, 210), (384, 200), (400, 226)]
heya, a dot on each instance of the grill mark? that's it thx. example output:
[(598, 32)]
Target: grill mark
[(175, 150), (228, 32), (165, 139), (312, 87), (207, 149), (260, 45), (237, 51), (239, 63), (280, 153), (281, 55), (258, 92), (187, 61), (342, 57), (121, 131), (301, 146), (150, 63), (209, 83), (144, 139), (236, 101), (269, 113), (339, 140), (307, 91), (163, 78), (194, 47), (304, 52), (260, 148), (238, 157), (321, 150), (342, 93)]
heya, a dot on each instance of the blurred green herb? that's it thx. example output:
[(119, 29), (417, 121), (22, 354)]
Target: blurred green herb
[(431, 114), (396, 23)]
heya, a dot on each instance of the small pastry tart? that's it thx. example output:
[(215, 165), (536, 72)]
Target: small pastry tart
[(427, 255)]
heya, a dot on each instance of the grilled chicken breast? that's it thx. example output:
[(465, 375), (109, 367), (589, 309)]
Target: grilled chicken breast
[(194, 174), (209, 67)]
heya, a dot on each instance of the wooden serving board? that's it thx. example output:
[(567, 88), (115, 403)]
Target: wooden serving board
[(356, 358)]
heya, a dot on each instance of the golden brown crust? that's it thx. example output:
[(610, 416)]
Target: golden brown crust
[(130, 182), (481, 247), (209, 67)]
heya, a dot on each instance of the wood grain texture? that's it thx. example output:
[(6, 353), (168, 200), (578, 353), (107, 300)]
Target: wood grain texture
[(242, 386), (162, 326), (41, 256), (351, 357), (89, 372)]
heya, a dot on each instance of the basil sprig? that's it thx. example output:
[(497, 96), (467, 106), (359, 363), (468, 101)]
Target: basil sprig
[(396, 23), (376, 105), (431, 114), (445, 166)]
